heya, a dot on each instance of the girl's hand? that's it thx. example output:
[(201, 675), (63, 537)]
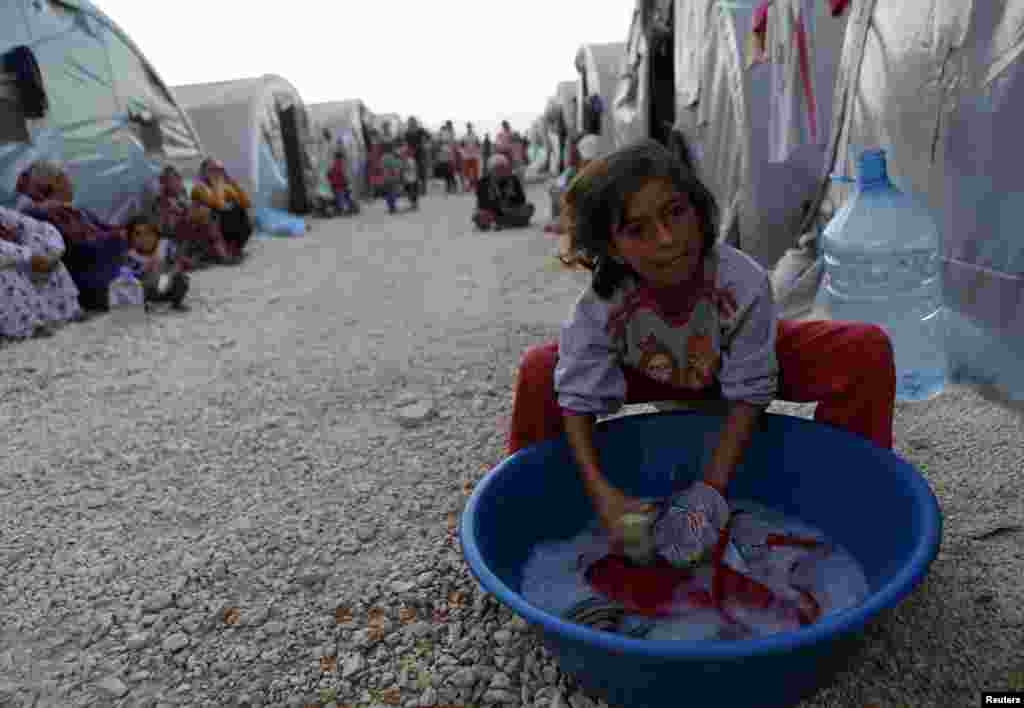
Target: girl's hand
[(42, 264), (611, 506)]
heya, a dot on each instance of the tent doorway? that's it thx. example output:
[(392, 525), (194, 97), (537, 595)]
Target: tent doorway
[(298, 194), (662, 87)]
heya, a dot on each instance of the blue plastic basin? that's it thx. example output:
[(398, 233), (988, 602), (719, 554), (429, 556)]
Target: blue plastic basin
[(867, 499)]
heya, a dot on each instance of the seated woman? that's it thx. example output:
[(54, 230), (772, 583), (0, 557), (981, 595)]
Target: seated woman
[(191, 226), (500, 199), (37, 293), (95, 250), (228, 202)]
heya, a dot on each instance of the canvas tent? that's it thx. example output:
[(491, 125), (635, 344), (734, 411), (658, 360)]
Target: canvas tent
[(688, 66), (111, 119), (260, 130), (341, 122), (598, 66), (939, 84), (393, 121), (567, 97)]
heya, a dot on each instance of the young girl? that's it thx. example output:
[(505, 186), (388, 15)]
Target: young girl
[(338, 177), (155, 264), (410, 177), (672, 315)]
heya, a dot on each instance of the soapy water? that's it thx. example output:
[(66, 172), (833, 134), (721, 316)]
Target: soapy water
[(554, 580)]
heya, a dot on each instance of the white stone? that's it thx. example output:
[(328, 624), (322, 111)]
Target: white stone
[(114, 686)]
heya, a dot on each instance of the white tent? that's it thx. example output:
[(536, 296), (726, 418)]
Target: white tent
[(111, 121), (687, 66), (393, 121), (344, 122), (599, 66), (260, 130), (567, 96)]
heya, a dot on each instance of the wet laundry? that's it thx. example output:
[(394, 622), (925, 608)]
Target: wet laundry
[(767, 574)]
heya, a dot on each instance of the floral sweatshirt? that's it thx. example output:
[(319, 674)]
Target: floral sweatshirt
[(719, 332)]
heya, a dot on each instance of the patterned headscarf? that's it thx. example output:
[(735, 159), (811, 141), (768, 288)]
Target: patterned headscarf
[(212, 163)]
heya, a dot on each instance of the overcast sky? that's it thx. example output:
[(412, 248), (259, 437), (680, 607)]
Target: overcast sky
[(477, 60)]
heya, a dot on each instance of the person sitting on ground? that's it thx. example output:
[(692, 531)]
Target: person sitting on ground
[(410, 177), (229, 203), (156, 264), (94, 249), (189, 225), (392, 168), (671, 313), (338, 177), (37, 294), (500, 198)]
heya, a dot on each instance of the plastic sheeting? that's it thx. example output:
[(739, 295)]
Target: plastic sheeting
[(599, 66), (239, 120), (112, 121)]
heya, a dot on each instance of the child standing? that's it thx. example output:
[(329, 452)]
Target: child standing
[(410, 177), (338, 178), (671, 314), (156, 265), (392, 169)]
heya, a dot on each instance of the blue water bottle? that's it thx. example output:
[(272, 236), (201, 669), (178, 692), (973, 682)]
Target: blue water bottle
[(882, 265)]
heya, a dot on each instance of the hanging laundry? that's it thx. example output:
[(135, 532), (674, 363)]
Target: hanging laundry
[(838, 7), (757, 48), (794, 115)]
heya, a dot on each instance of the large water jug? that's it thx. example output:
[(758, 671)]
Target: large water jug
[(882, 265)]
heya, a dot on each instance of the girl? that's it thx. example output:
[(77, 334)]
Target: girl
[(216, 190), (338, 177), (672, 315), (155, 264), (410, 177)]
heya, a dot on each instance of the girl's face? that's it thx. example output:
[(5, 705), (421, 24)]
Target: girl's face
[(660, 237), (145, 238)]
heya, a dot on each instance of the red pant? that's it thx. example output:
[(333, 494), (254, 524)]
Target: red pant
[(846, 367)]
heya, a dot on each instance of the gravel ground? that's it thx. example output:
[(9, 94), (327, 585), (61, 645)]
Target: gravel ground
[(254, 503)]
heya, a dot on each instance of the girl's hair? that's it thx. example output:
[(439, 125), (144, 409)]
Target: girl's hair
[(594, 207)]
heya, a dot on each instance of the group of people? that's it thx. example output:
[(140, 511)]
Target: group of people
[(60, 263), (400, 166)]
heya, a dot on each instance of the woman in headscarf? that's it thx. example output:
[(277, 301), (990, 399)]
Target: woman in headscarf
[(95, 250), (189, 225), (500, 198), (229, 203), (36, 290)]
